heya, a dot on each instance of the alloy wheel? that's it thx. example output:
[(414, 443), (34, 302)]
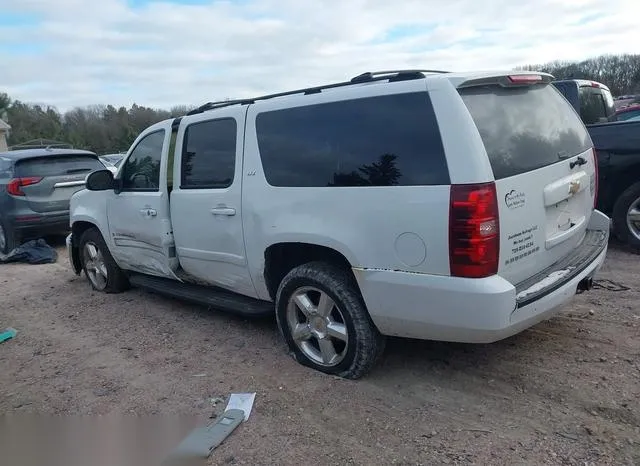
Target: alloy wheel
[(95, 265), (317, 326), (633, 218)]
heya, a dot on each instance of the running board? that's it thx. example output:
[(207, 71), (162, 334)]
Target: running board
[(206, 295)]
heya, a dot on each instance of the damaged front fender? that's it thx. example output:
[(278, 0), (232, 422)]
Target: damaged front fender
[(74, 255)]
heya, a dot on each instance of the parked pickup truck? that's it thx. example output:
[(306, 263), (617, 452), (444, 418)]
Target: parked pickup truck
[(617, 144), (419, 204)]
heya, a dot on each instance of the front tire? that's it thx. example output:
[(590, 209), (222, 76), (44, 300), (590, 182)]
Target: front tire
[(325, 323), (626, 216), (99, 266)]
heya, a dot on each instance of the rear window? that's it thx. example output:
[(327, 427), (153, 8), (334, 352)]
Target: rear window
[(524, 129), (596, 105), (390, 140), (58, 165)]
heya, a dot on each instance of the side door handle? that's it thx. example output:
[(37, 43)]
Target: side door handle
[(149, 212), (229, 211)]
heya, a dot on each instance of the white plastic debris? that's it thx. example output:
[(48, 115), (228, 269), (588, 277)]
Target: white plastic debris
[(242, 401)]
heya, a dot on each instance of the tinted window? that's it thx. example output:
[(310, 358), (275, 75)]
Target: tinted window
[(592, 106), (58, 165), (524, 129), (209, 154), (141, 171), (378, 141)]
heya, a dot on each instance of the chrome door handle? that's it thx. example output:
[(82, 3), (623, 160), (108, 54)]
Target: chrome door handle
[(223, 211), (149, 212)]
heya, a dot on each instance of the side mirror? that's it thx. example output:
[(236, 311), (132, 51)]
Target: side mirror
[(100, 180)]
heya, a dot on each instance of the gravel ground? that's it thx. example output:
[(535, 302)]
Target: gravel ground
[(564, 392)]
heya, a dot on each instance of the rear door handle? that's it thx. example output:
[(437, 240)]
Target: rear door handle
[(577, 162), (229, 211)]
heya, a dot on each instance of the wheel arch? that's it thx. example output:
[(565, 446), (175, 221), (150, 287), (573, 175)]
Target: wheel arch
[(624, 179), (78, 228), (280, 258)]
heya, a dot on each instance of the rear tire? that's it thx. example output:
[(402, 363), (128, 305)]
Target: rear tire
[(626, 216), (325, 323), (9, 239), (99, 266)]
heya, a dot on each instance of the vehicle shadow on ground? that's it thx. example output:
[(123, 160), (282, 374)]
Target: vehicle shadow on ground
[(616, 244), (420, 355)]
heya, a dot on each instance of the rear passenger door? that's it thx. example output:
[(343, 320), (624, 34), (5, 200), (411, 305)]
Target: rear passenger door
[(206, 199)]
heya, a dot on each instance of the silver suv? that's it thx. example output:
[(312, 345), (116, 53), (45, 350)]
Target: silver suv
[(35, 188)]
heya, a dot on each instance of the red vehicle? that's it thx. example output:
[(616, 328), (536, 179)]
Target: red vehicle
[(631, 111)]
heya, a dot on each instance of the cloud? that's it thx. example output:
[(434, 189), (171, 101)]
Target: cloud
[(164, 53)]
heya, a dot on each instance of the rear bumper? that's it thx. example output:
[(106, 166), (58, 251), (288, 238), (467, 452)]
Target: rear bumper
[(477, 310), (55, 222)]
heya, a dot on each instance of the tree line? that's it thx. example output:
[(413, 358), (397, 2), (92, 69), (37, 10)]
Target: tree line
[(101, 128), (621, 73), (107, 129)]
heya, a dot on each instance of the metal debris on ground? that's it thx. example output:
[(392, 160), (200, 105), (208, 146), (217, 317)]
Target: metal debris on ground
[(201, 441)]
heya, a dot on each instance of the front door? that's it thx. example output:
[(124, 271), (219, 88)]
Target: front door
[(206, 200), (138, 212)]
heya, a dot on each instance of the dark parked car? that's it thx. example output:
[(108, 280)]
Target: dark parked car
[(35, 188), (617, 145)]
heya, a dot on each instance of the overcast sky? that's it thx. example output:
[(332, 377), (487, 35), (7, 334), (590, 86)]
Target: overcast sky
[(163, 53)]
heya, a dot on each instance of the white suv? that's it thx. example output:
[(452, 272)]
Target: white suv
[(431, 205)]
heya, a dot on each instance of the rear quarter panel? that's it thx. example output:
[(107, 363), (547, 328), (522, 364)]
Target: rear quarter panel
[(393, 228)]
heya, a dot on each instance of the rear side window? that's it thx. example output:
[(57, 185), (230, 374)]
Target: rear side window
[(377, 141), (58, 165), (524, 129), (209, 154), (593, 108)]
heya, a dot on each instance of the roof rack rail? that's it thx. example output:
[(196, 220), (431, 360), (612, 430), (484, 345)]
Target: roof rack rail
[(398, 75), (218, 104), (369, 76)]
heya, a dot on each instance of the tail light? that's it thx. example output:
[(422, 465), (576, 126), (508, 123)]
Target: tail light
[(474, 231), (15, 185), (594, 183)]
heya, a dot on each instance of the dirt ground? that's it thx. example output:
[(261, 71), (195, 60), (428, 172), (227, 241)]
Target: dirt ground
[(564, 392)]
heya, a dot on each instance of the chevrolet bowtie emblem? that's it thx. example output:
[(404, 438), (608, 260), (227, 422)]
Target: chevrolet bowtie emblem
[(574, 187)]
